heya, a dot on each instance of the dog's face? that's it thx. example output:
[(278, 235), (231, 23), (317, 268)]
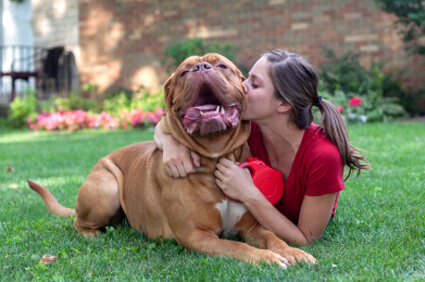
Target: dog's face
[(206, 94)]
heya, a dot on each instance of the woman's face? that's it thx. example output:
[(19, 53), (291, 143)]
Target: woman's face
[(259, 91)]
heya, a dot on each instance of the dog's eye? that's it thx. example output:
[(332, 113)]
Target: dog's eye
[(184, 73), (222, 66)]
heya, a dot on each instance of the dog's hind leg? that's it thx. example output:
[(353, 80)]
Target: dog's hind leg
[(98, 203)]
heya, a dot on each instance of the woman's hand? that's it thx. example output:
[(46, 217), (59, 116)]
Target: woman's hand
[(178, 159), (235, 182)]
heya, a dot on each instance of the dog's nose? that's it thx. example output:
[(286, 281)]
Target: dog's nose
[(202, 66)]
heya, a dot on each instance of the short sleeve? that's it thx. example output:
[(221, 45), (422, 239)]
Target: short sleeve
[(325, 173)]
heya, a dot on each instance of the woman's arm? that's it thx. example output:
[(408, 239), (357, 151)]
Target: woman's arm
[(178, 159), (314, 215)]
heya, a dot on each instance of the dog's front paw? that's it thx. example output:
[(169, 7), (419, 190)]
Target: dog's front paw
[(294, 255), (270, 257)]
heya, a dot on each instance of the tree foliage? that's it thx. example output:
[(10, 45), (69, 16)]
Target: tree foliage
[(197, 46), (410, 23)]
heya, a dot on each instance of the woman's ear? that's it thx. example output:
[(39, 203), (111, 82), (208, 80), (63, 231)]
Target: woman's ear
[(283, 107)]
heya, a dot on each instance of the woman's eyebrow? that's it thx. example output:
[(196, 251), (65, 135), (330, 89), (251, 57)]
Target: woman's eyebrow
[(255, 77)]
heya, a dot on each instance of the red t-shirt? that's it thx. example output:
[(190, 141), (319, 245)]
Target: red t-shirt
[(317, 169)]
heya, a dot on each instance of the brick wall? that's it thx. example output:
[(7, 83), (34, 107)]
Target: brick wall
[(55, 23), (122, 41)]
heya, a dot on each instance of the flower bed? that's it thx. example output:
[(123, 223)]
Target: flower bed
[(79, 119)]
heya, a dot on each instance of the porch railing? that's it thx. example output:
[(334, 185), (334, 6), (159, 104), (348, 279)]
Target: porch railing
[(49, 71)]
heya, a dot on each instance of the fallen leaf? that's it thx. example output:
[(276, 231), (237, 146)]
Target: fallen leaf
[(9, 169), (48, 259)]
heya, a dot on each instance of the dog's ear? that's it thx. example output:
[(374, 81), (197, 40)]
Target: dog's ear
[(167, 91)]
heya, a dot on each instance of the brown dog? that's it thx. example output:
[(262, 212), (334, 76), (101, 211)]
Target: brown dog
[(204, 102)]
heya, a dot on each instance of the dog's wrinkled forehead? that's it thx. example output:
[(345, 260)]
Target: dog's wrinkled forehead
[(211, 58), (176, 83)]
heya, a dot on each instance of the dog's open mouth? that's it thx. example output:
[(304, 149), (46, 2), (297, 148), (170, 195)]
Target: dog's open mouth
[(209, 115)]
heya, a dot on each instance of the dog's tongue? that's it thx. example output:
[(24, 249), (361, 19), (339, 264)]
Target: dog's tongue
[(207, 119), (211, 118)]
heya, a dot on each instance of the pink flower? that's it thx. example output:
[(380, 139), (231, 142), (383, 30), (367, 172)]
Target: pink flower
[(340, 109), (158, 113), (151, 117), (355, 101)]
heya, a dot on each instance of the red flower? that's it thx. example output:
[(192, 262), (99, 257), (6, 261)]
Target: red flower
[(340, 109), (355, 101)]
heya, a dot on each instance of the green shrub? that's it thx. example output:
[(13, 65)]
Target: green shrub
[(21, 109), (373, 107), (343, 77), (126, 101), (74, 101), (197, 46), (345, 73)]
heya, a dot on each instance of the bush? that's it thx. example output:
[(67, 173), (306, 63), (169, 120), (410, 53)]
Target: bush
[(345, 73), (73, 102), (124, 109), (197, 46), (344, 78), (21, 108), (126, 101), (369, 108), (79, 119)]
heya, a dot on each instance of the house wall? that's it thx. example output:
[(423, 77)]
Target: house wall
[(15, 30), (122, 41), (56, 23)]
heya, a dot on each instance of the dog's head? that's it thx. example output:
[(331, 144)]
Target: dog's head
[(204, 102)]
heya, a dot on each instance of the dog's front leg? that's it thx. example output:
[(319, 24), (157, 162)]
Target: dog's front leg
[(251, 231), (208, 242)]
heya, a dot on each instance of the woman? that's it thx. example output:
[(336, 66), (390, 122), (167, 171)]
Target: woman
[(281, 90)]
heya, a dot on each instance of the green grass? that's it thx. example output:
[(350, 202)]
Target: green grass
[(378, 233)]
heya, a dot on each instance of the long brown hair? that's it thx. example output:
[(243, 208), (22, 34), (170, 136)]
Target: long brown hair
[(295, 82)]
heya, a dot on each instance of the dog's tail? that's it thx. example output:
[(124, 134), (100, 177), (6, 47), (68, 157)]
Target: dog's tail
[(52, 205)]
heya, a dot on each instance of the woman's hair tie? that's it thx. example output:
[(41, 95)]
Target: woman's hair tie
[(318, 101)]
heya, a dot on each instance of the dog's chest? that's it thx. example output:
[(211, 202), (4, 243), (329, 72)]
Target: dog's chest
[(231, 212)]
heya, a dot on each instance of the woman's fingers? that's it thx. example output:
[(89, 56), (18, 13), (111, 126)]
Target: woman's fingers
[(196, 158)]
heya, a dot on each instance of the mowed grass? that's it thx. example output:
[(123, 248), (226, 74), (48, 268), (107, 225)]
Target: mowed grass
[(378, 233)]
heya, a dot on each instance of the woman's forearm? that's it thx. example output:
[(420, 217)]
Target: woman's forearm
[(159, 136), (178, 160), (270, 218)]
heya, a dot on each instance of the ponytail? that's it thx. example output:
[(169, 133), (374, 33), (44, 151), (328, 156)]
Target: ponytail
[(336, 130)]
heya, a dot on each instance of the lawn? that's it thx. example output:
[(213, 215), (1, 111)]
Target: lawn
[(378, 233)]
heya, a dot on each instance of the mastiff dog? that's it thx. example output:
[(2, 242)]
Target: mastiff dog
[(204, 101)]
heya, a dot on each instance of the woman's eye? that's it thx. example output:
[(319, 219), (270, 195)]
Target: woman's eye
[(184, 73), (222, 66), (254, 85)]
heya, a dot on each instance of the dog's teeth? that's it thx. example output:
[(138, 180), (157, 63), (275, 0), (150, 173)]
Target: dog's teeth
[(218, 109), (222, 110), (202, 113)]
